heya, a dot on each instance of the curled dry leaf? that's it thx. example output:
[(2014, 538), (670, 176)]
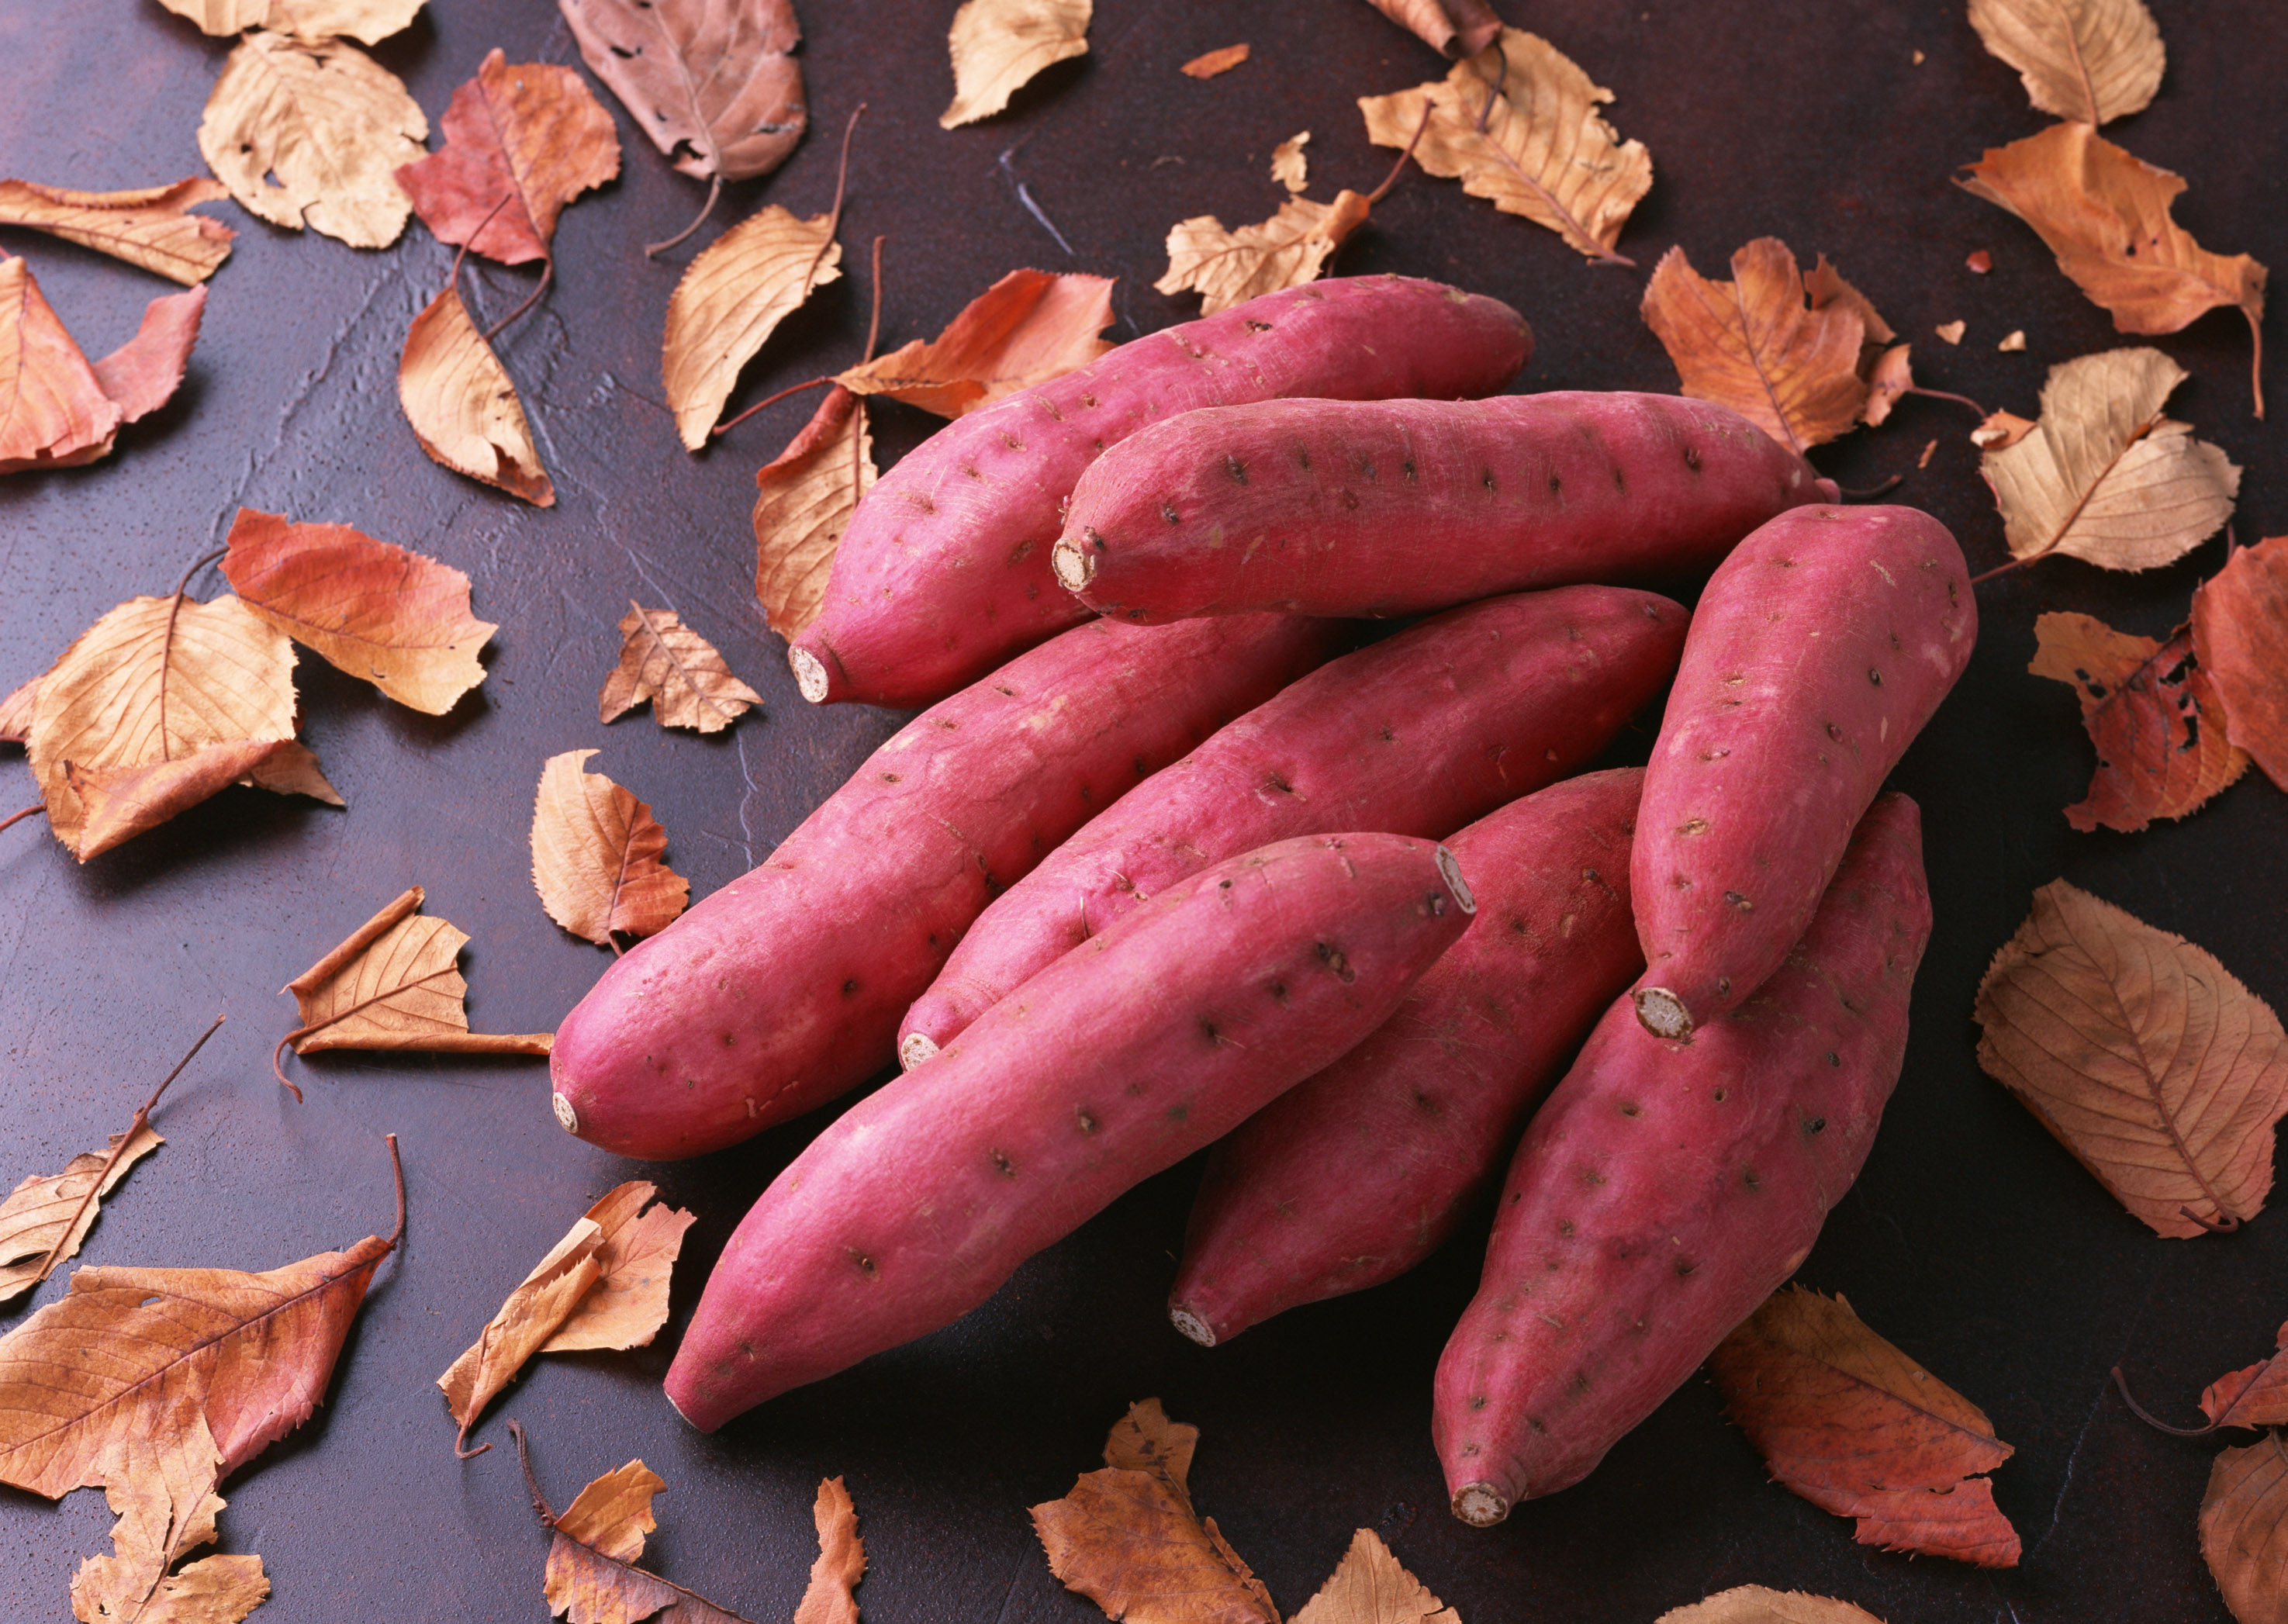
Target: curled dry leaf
[(999, 46), (2093, 60), (329, 123), (1289, 163), (1755, 1604), (664, 660), (1370, 1586), (2240, 632), (63, 411), (1518, 124), (1028, 327), (2105, 215), (1211, 63), (152, 227), (596, 853), (2104, 476), (2151, 712), (829, 1598), (44, 1219), (520, 142), (462, 406), (2160, 1072), (141, 376), (804, 499), (736, 292), (2241, 1516), (1291, 248), (395, 619), (1456, 27), (314, 21), (528, 1318), (2256, 1396), (715, 86), (638, 1244), (1855, 1427)]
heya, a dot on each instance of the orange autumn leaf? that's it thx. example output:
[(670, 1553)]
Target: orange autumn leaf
[(61, 410), (2148, 1060), (2241, 1516), (2254, 1396), (151, 226), (1028, 327), (686, 680), (596, 855), (1290, 165), (1853, 1425), (803, 498), (999, 46), (1209, 64), (2152, 715), (731, 299), (1455, 28), (1227, 267), (1370, 1586), (44, 1219), (1755, 1604), (2240, 634), (314, 21), (16, 712), (829, 1598), (462, 407), (163, 1493), (638, 1242), (528, 1318)]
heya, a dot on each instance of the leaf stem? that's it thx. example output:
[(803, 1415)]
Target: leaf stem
[(15, 818), (547, 275), (841, 187), (728, 423), (1870, 493), (1391, 179), (532, 1484), (397, 1171), (714, 190), (1944, 394), (2150, 1419)]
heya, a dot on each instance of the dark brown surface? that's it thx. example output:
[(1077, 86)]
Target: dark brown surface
[(1973, 1240)]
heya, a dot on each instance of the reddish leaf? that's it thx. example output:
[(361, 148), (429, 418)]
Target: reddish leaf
[(141, 375), (2240, 632), (2243, 1517), (2253, 1396)]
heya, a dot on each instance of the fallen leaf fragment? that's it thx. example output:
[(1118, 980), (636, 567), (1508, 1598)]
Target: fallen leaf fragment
[(393, 984), (2240, 632), (1028, 327), (1952, 331), (736, 291), (2104, 476), (1146, 1440), (16, 712), (841, 1563), (141, 376), (61, 410), (1979, 261), (2000, 430), (1455, 28), (2105, 215), (999, 46), (393, 618), (2150, 1061), (1930, 449), (151, 226), (1227, 267), (2152, 713), (2012, 343), (804, 499), (1370, 1586), (520, 142), (2256, 1396), (2095, 60), (636, 1250), (716, 87), (312, 21), (462, 407), (2242, 1514), (163, 1493), (1853, 1425), (44, 1219), (1208, 65), (1888, 379), (313, 135), (596, 855), (1517, 123), (664, 660), (528, 1318), (1755, 1604), (1289, 163)]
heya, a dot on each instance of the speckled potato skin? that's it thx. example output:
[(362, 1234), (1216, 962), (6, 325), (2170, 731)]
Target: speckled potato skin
[(1818, 651), (944, 571), (1396, 507), (1355, 1176), (1664, 1190), (783, 989), (1417, 735), (1127, 1054)]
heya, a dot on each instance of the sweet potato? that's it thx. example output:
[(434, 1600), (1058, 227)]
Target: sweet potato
[(1121, 1058), (1393, 507), (944, 571), (1819, 650), (1662, 1193), (1416, 735), (1353, 1176), (784, 988)]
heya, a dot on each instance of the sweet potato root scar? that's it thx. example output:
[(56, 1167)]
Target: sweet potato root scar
[(1662, 1013), (1479, 1504), (1073, 567), (914, 1049), (1192, 1325), (1453, 873), (809, 674)]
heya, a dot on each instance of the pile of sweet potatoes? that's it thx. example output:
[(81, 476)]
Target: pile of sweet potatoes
[(1173, 879)]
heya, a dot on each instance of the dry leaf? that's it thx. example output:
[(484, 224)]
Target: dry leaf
[(714, 86), (141, 375), (2095, 60), (44, 1219), (841, 1562), (151, 227), (738, 289), (393, 986), (462, 407), (315, 21), (2241, 1519), (636, 1250), (61, 410), (1145, 1440), (528, 1318), (2163, 1075), (1289, 163), (329, 123), (1886, 380), (1755, 1604), (2152, 714), (2105, 215), (1028, 327), (2255, 1397), (2013, 343), (1518, 124), (16, 712), (531, 135), (999, 46), (2104, 476), (1979, 261), (396, 619), (1208, 65), (1287, 251), (163, 1493), (596, 855), (1952, 331), (804, 499), (1456, 27), (1370, 1586), (664, 660), (1853, 1425), (2000, 431), (2240, 631)]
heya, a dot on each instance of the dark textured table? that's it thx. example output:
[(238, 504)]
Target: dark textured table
[(1972, 1239)]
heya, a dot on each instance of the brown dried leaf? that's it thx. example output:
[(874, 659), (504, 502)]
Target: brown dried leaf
[(141, 376), (591, 1577), (396, 619), (841, 1563), (16, 712), (1290, 248), (1853, 1425), (2240, 631), (664, 660), (2001, 430), (2095, 60), (151, 227), (56, 414), (2242, 1514), (736, 292), (1028, 327), (1289, 163), (313, 22), (462, 407), (2152, 714), (999, 46), (715, 87), (329, 123), (1889, 378), (2160, 1072), (44, 1219), (1518, 124), (804, 499), (1209, 64), (1755, 1604), (596, 855), (163, 1490), (528, 1318), (1456, 28), (531, 135), (104, 806), (1145, 1440), (636, 1250), (1370, 1586), (2256, 1396), (2104, 476)]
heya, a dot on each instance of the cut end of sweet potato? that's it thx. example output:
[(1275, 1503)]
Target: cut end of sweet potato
[(1192, 1325), (565, 1115), (914, 1048), (1073, 567), (1455, 883), (1662, 1013), (809, 674), (1481, 1504)]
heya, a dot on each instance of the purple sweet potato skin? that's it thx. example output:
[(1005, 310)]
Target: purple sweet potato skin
[(1355, 1176), (1396, 507), (1138, 1048), (784, 988), (1664, 1191), (944, 571), (1417, 735), (1819, 650)]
